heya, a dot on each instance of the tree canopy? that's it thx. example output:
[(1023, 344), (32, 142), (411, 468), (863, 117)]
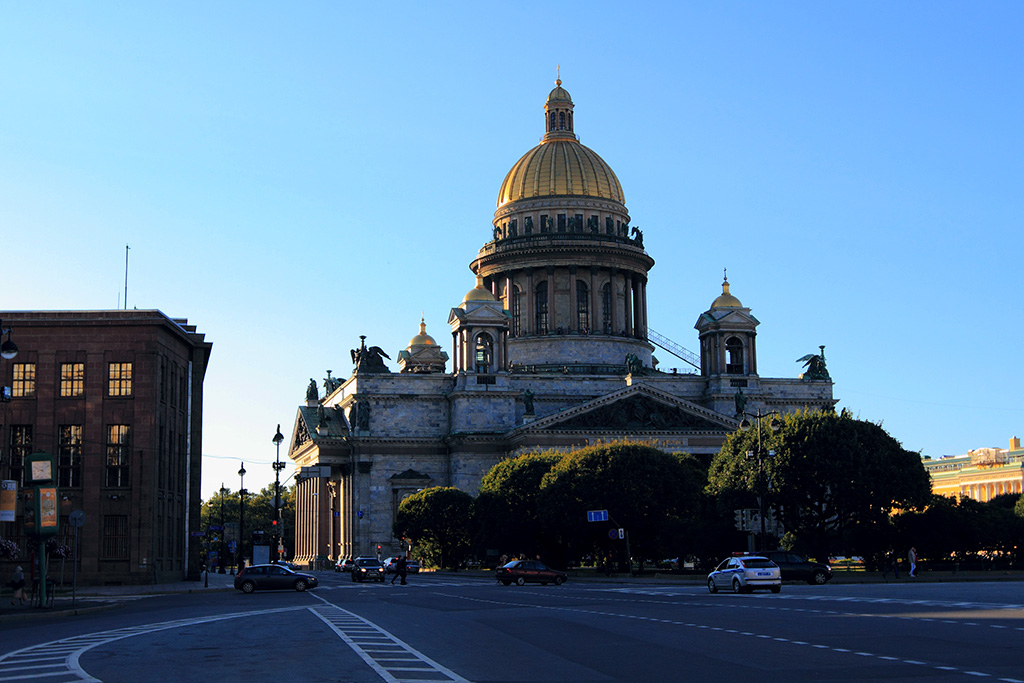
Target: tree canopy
[(437, 520), (831, 478), (507, 508)]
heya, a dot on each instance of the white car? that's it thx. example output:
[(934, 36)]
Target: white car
[(745, 573)]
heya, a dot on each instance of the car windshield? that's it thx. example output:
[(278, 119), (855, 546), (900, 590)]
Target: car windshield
[(511, 565), (757, 563), (367, 563)]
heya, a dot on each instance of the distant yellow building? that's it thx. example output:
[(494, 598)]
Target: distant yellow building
[(981, 475)]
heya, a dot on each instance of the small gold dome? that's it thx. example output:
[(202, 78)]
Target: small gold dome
[(726, 300), (479, 293), (422, 339), (559, 94)]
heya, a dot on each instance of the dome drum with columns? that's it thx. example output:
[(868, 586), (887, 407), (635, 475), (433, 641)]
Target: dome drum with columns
[(550, 349)]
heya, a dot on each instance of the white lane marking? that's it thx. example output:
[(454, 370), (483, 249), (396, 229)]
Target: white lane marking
[(67, 652), (379, 649), (837, 650)]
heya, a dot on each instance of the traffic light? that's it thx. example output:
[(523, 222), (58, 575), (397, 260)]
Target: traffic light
[(738, 516)]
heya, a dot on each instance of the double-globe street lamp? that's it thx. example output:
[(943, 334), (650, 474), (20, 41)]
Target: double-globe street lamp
[(774, 425), (241, 517), (275, 542)]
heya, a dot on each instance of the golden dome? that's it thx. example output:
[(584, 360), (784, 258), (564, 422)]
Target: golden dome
[(560, 165), (726, 300), (422, 339), (479, 293)]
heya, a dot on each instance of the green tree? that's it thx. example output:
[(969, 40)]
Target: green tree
[(506, 510), (652, 494), (259, 513), (437, 520), (834, 480)]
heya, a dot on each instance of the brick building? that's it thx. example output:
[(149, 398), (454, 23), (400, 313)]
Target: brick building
[(117, 398), (551, 349)]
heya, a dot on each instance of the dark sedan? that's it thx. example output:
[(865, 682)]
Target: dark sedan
[(368, 569), (272, 577), (797, 568), (521, 572)]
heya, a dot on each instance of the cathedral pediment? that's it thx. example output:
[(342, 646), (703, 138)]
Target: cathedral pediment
[(638, 408)]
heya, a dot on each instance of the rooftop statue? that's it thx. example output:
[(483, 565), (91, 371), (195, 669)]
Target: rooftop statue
[(311, 391), (369, 359), (815, 365)]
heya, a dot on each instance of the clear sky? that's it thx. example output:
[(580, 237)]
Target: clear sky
[(293, 175)]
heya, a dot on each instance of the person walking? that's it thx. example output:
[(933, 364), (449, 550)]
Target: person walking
[(401, 570), (18, 584), (912, 559)]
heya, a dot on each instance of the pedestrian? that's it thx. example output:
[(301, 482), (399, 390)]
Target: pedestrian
[(18, 584), (912, 559), (401, 570)]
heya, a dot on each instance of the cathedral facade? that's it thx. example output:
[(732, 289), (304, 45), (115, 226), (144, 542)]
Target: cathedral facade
[(550, 349)]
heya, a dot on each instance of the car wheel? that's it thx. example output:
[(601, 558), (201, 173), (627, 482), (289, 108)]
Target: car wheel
[(300, 585), (506, 582), (820, 578), (520, 581), (248, 587), (712, 588), (559, 580), (776, 589), (737, 586)]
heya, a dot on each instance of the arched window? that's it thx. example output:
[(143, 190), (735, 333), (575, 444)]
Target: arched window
[(733, 356), (551, 121), (540, 322), (515, 308), (606, 308), (582, 307), (484, 353), (561, 120)]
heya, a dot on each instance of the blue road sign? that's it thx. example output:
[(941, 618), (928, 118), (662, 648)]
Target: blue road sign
[(597, 515)]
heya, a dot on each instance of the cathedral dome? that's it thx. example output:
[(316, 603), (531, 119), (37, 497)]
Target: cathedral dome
[(726, 300), (560, 165), (479, 293), (422, 339)]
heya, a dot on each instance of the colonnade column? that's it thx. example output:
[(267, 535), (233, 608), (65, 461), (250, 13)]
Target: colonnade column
[(613, 300), (551, 298), (596, 314), (530, 323), (573, 316), (627, 296)]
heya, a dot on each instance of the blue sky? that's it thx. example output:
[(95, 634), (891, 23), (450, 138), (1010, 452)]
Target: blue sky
[(290, 177)]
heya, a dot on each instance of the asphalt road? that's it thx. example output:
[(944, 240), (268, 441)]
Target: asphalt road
[(459, 628)]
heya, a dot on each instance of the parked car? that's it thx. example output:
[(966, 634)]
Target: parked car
[(391, 565), (272, 577), (520, 572), (412, 566), (368, 569), (291, 565), (345, 564), (745, 573), (797, 568)]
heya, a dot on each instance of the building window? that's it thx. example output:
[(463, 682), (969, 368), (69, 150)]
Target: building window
[(606, 308), (21, 446), (119, 379), (515, 307), (118, 451), (582, 307), (733, 356), (540, 322), (115, 537), (69, 456), (24, 385), (561, 222), (484, 353), (72, 379), (578, 224)]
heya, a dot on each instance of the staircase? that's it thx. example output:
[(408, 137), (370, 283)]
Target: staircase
[(673, 348)]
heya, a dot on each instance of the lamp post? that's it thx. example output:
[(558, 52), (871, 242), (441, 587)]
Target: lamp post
[(275, 542), (241, 517), (220, 555), (774, 425)]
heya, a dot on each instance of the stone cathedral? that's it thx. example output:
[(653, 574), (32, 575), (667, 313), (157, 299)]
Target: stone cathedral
[(550, 349)]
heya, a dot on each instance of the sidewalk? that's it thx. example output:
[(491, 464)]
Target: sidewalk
[(93, 598)]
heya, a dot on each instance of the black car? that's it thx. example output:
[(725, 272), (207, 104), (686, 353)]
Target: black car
[(272, 577), (368, 569), (797, 568)]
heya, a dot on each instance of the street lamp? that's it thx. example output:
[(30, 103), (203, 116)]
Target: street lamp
[(275, 542), (220, 558), (774, 425), (241, 517), (8, 349)]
